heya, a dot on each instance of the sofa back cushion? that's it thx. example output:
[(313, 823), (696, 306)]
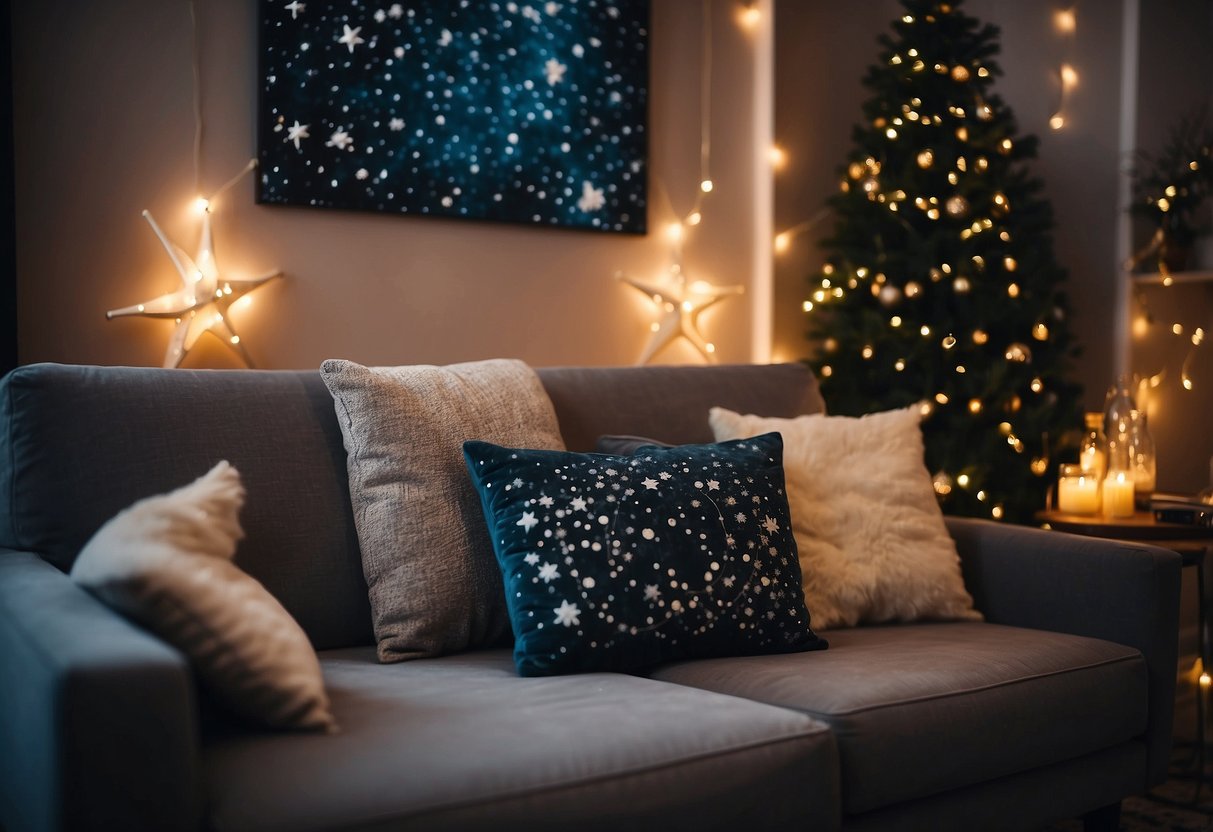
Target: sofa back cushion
[(670, 404), (78, 444)]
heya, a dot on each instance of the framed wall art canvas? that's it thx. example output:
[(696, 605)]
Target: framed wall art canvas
[(528, 112)]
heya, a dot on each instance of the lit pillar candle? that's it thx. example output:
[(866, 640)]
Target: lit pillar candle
[(1118, 494), (1077, 491)]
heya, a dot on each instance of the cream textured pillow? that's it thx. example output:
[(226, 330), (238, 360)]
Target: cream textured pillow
[(430, 570), (166, 563), (873, 544)]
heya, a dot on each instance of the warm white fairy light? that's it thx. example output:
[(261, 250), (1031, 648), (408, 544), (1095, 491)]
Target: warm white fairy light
[(1069, 80)]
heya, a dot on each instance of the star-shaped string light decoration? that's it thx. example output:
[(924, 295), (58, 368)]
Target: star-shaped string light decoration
[(679, 303), (202, 302)]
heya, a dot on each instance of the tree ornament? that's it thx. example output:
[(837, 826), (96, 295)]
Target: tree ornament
[(957, 206), (1019, 353), (980, 336), (948, 342), (960, 74), (889, 294)]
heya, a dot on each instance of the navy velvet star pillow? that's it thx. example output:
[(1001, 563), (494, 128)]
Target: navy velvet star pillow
[(624, 562)]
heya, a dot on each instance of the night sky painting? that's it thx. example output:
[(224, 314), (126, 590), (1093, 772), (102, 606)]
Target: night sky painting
[(522, 112)]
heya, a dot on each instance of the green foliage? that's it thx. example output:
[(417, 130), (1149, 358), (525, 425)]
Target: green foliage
[(1170, 186), (941, 229)]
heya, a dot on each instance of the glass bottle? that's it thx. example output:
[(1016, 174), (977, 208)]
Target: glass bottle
[(1093, 452), (1143, 460), (1118, 408)]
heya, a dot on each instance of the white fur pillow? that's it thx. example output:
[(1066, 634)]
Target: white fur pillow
[(166, 563), (873, 544)]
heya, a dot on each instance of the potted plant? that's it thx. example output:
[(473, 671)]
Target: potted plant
[(1169, 189)]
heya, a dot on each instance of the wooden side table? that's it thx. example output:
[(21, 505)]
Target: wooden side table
[(1191, 543)]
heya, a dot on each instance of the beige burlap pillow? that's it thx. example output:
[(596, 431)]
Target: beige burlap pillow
[(873, 544), (166, 563), (430, 570)]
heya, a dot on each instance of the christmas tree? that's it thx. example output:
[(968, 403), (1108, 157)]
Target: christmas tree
[(940, 287)]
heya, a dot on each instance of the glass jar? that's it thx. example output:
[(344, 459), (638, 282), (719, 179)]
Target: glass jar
[(1077, 491), (1093, 452), (1143, 461)]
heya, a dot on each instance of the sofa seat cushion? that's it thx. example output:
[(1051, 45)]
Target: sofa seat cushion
[(922, 708), (462, 742)]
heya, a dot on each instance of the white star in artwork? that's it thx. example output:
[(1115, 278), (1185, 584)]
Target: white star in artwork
[(202, 302), (679, 303), (730, 580), (380, 15), (340, 139), (713, 485), (531, 559), (548, 572), (528, 521), (517, 482), (770, 524), (350, 36), (546, 501), (396, 11), (554, 71), (396, 125), (741, 518), (591, 198), (566, 614), (361, 173), (651, 592), (649, 483), (296, 133), (295, 6), (665, 475), (577, 504)]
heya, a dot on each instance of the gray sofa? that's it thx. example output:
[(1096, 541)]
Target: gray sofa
[(1059, 705)]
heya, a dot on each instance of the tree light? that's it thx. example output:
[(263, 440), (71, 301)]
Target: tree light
[(706, 186), (1065, 21)]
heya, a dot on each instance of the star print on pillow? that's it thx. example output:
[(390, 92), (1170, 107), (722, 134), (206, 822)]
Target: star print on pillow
[(624, 562)]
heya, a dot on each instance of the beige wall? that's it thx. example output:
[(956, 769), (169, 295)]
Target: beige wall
[(104, 128)]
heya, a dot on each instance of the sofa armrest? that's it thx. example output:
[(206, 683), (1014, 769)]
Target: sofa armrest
[(98, 720), (1118, 591)]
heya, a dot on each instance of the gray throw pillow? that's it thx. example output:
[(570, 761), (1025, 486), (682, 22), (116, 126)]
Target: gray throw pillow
[(432, 577)]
